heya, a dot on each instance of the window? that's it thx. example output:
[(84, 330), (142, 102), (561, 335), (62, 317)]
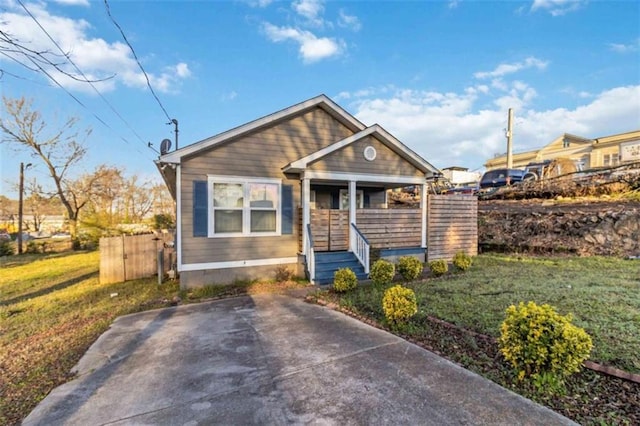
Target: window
[(244, 206), (606, 160), (614, 159), (344, 199)]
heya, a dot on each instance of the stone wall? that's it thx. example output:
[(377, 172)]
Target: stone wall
[(610, 229)]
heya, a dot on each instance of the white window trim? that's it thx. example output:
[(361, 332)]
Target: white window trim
[(246, 218)]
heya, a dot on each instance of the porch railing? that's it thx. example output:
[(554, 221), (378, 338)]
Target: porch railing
[(359, 245), (310, 255)]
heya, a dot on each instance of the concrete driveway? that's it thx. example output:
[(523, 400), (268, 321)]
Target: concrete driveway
[(272, 359)]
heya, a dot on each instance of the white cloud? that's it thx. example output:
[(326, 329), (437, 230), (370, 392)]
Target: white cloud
[(259, 3), (625, 48), (505, 69), (311, 48), (464, 129), (453, 4), (311, 10), (96, 57), (73, 2), (349, 21), (229, 96), (557, 7)]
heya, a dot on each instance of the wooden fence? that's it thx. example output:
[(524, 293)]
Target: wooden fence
[(129, 257), (452, 226), (391, 228)]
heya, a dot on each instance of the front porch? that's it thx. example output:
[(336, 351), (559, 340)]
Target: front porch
[(355, 224)]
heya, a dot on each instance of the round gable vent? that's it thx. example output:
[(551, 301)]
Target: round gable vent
[(370, 153)]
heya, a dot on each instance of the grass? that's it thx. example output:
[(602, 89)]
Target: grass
[(53, 307), (602, 294)]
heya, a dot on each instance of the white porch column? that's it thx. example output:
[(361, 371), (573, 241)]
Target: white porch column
[(352, 211), (423, 206), (353, 202), (306, 211)]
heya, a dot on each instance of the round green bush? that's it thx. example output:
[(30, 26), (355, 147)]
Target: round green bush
[(438, 267), (6, 248), (382, 272), (462, 261), (410, 268), (344, 280), (538, 342), (399, 304)]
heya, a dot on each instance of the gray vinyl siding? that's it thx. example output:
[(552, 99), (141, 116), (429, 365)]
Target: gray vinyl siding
[(351, 160), (261, 154)]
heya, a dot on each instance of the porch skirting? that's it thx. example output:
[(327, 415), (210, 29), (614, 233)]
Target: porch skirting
[(392, 255)]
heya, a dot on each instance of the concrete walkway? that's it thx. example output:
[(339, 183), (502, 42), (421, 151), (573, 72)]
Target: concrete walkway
[(272, 360)]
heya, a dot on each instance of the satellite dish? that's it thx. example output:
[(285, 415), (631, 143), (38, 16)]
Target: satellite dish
[(165, 146)]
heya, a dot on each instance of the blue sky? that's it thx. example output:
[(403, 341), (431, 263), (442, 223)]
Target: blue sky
[(439, 75)]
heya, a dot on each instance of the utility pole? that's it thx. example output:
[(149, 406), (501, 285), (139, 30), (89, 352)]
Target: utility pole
[(175, 123), (20, 203), (509, 140)]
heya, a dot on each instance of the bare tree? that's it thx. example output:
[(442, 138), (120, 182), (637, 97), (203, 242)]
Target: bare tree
[(58, 150)]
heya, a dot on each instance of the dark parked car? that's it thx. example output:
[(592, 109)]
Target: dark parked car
[(498, 177)]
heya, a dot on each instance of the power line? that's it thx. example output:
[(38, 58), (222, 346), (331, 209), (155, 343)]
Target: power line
[(106, 4), (77, 100), (66, 55)]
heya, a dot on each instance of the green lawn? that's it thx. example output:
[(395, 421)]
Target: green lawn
[(52, 308), (602, 294)]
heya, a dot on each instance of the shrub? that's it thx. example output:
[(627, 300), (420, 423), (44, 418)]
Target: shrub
[(344, 280), (399, 304), (438, 267), (410, 268), (462, 261), (382, 272), (541, 344), (6, 248), (283, 274)]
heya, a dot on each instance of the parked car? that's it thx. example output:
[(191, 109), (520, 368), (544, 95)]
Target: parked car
[(500, 177), (4, 236)]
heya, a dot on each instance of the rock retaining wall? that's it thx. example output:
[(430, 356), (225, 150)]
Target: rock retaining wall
[(606, 229)]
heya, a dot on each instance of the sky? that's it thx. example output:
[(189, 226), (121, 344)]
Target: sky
[(438, 75)]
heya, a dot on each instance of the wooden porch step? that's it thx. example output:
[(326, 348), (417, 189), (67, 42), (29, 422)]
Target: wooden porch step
[(327, 263)]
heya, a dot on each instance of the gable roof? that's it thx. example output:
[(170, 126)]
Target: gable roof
[(321, 101), (377, 131)]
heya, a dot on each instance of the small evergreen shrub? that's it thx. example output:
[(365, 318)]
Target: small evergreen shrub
[(541, 344), (31, 247), (344, 280), (438, 267), (399, 304), (382, 272), (462, 261), (6, 248), (410, 268)]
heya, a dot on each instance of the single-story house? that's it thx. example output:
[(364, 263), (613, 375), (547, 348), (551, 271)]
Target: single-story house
[(303, 188)]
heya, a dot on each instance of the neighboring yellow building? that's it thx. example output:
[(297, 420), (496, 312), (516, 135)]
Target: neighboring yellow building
[(586, 153)]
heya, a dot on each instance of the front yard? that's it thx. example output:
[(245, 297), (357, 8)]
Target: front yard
[(52, 308), (603, 294)]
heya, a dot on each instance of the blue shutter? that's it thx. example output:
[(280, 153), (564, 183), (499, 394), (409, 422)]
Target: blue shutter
[(200, 208), (286, 208)]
